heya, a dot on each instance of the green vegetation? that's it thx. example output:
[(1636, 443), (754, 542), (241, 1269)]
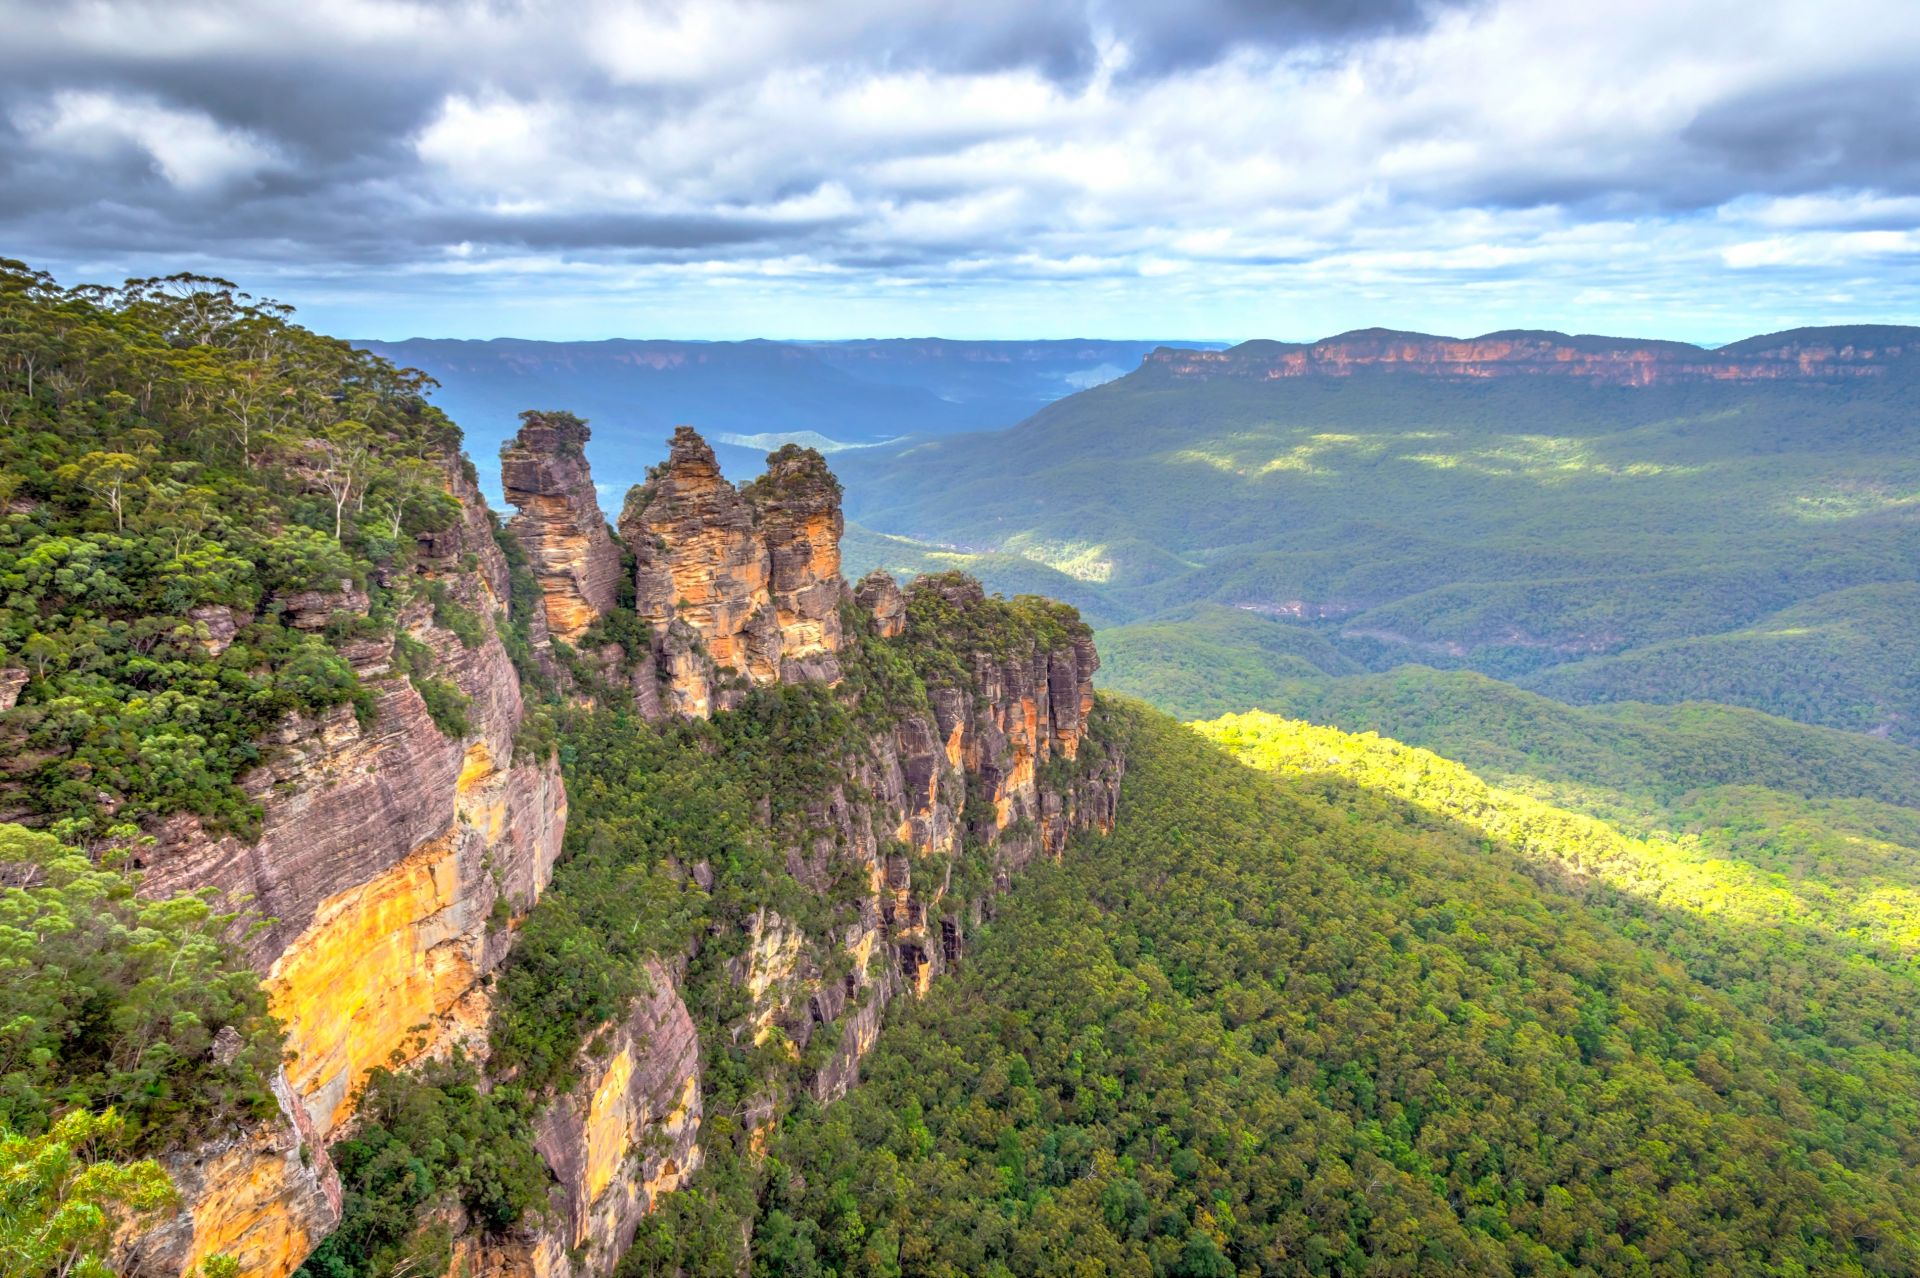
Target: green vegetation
[(862, 551), (1637, 763), (1209, 660), (1849, 659), (1277, 1025), (61, 1197), (1741, 542), (176, 457), (1829, 944), (423, 1140), (113, 1001)]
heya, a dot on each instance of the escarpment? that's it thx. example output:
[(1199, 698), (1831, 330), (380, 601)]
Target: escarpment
[(394, 852), (1803, 355), (905, 752)]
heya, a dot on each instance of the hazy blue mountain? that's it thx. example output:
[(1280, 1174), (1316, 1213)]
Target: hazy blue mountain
[(750, 397)]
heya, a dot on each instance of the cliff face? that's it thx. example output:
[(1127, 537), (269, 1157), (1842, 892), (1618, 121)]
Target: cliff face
[(1615, 361), (627, 1133), (392, 858), (543, 471)]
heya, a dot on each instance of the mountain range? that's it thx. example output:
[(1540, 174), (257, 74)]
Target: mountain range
[(1594, 518), (750, 397)]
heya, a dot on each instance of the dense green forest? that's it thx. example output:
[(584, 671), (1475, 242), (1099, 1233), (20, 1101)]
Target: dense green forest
[(175, 455), (1750, 543), (1277, 1025)]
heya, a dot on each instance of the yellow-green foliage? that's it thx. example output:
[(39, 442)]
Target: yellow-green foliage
[(62, 1197), (1671, 872), (1820, 939)]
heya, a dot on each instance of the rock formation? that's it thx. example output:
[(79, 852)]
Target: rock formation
[(543, 471), (796, 504), (740, 589), (395, 859), (880, 595), (1618, 361)]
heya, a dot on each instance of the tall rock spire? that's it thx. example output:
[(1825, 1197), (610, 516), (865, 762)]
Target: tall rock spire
[(543, 471)]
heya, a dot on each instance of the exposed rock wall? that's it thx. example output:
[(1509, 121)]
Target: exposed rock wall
[(385, 851), (797, 507), (1617, 361), (627, 1133), (543, 472)]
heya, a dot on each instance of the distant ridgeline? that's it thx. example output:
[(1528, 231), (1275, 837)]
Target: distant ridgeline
[(1806, 354), (750, 397), (1599, 519), (417, 894)]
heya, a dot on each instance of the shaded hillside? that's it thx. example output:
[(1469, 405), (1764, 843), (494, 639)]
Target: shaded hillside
[(1509, 521)]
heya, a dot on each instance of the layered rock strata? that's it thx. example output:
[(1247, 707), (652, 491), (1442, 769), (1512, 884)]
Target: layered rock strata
[(740, 588), (1802, 356), (391, 861)]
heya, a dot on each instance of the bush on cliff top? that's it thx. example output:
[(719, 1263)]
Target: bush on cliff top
[(110, 999), (169, 450)]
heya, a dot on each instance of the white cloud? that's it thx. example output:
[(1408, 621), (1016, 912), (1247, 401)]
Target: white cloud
[(1567, 163), (189, 149)]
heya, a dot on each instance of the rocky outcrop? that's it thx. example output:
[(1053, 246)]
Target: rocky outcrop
[(1805, 355), (391, 860), (12, 680), (880, 595), (741, 589), (543, 472), (628, 1132), (796, 504), (700, 564)]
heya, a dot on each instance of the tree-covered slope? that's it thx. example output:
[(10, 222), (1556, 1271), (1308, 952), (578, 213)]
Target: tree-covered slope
[(1207, 660), (1600, 542), (1302, 1026)]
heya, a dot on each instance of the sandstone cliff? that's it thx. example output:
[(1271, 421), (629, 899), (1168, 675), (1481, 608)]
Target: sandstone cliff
[(1813, 356), (392, 856)]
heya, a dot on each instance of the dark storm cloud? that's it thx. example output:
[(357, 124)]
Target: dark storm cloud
[(1860, 129)]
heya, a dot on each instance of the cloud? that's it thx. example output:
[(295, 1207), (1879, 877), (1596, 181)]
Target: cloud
[(188, 148), (1231, 163)]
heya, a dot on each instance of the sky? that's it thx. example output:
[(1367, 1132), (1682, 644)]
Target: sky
[(1207, 169)]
